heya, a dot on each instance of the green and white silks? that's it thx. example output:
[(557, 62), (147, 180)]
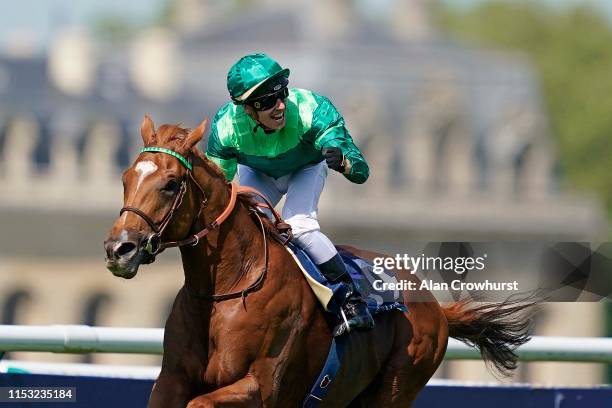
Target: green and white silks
[(312, 123)]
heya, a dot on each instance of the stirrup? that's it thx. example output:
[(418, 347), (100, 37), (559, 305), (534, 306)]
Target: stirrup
[(346, 323)]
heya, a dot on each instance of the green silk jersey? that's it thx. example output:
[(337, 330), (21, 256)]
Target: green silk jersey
[(311, 124)]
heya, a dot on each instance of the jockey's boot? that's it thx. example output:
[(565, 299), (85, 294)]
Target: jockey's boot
[(355, 310)]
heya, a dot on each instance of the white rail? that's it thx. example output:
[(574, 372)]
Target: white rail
[(81, 339), (545, 348), (87, 339)]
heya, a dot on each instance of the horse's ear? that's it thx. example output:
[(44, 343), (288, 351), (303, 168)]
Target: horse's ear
[(195, 135), (147, 131)]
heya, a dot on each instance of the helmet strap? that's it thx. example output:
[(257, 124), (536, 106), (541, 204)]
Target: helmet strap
[(260, 125)]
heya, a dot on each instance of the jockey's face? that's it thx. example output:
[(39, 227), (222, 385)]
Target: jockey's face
[(271, 119)]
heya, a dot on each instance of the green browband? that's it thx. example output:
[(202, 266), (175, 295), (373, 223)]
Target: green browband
[(171, 153)]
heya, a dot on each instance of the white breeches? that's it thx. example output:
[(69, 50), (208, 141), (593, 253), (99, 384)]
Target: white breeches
[(303, 189)]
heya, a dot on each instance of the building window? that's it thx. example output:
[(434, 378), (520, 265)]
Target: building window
[(13, 304)]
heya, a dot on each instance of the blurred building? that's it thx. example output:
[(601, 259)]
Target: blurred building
[(456, 137)]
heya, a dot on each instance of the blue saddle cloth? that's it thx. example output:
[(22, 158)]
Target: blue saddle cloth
[(362, 273)]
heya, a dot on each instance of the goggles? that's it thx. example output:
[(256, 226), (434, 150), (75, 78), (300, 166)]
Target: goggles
[(266, 102)]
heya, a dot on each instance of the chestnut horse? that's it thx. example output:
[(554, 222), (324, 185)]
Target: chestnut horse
[(245, 328)]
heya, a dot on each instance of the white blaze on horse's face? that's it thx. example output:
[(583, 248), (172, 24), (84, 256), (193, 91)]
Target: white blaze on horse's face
[(144, 168)]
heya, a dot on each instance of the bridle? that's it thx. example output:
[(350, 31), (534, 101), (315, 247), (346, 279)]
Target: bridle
[(154, 244)]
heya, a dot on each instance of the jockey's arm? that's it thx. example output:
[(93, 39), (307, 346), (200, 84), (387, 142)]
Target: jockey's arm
[(356, 168)]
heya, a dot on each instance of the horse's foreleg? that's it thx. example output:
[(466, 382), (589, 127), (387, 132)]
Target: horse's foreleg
[(169, 391), (242, 393)]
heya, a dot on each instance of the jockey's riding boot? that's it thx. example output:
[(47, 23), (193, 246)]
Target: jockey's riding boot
[(355, 310)]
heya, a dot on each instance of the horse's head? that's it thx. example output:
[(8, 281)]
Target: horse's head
[(159, 201)]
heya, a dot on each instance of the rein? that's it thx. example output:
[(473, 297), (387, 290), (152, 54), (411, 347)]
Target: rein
[(256, 285), (154, 245)]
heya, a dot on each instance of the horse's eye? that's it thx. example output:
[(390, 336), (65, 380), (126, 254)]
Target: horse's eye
[(171, 186)]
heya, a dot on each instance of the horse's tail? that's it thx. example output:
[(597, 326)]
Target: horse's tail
[(495, 329)]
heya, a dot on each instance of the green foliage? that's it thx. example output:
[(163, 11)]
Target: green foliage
[(571, 50), (167, 14), (116, 28)]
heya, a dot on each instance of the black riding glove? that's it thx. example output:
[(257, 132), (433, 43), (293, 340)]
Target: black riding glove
[(334, 158)]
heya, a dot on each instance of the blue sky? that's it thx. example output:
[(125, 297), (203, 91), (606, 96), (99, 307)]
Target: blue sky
[(37, 20)]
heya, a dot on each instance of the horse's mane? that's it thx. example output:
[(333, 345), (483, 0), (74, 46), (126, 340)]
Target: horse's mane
[(167, 134), (247, 200), (172, 135)]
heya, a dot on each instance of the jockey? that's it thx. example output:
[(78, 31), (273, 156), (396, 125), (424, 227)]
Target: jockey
[(281, 141)]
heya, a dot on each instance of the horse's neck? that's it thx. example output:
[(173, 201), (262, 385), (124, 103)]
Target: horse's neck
[(228, 257)]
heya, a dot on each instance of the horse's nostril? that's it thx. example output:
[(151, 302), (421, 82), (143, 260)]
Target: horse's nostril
[(125, 248)]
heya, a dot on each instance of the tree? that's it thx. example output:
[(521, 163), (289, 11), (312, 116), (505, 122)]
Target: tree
[(570, 48)]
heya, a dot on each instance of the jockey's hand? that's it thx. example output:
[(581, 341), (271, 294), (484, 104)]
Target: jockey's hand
[(334, 158)]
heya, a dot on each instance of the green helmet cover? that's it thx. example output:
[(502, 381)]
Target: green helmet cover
[(249, 73)]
